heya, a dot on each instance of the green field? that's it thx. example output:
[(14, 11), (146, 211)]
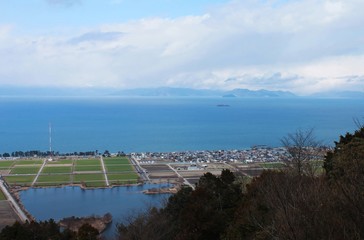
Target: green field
[(88, 162), (6, 164), (95, 184), (116, 160), (90, 180), (25, 170), (50, 180), (88, 177), (119, 168), (19, 180), (68, 171), (28, 162), (85, 168), (122, 178), (56, 169), (2, 196), (59, 162)]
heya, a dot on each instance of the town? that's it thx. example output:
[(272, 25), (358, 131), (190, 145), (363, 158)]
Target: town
[(260, 153)]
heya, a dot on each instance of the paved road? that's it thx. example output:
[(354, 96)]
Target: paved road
[(140, 170)]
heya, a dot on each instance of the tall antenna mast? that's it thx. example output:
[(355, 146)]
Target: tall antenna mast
[(50, 141)]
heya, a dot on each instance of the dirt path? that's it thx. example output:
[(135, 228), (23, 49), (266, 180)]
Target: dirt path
[(40, 170), (104, 171)]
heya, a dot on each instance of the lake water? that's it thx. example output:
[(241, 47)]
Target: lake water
[(168, 124), (58, 203)]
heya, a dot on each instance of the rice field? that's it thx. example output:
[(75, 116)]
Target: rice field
[(6, 164), (56, 169), (61, 162), (20, 180), (87, 168), (123, 178), (52, 180), (88, 162), (25, 170), (88, 172), (119, 168), (28, 162), (116, 160)]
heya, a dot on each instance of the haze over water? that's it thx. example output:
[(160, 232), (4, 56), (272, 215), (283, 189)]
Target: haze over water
[(168, 124)]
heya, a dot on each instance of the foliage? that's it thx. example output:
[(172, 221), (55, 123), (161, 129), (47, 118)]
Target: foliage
[(47, 230), (345, 173), (87, 232), (200, 214)]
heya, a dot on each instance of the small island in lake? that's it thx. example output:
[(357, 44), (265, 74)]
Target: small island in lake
[(74, 223)]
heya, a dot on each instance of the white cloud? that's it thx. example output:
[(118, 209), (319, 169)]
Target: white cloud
[(304, 46)]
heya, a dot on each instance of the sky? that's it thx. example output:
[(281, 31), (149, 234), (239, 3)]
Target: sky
[(302, 46)]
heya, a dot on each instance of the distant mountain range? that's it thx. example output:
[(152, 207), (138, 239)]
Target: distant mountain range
[(164, 92), (187, 92), (337, 94)]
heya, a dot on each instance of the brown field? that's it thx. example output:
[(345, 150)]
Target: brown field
[(250, 170), (7, 214), (156, 174), (192, 174), (156, 167)]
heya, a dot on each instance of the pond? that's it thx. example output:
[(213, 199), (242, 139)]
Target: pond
[(121, 202)]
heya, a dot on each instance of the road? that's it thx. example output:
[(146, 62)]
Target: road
[(40, 170), (179, 175), (15, 204), (104, 170), (140, 170)]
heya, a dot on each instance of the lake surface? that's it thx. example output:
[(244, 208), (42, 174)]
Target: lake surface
[(58, 203), (168, 124)]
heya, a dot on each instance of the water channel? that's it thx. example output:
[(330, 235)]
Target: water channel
[(58, 203)]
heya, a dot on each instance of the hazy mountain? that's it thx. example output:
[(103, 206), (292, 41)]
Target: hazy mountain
[(52, 92), (339, 94), (188, 92), (245, 93), (168, 92), (163, 92)]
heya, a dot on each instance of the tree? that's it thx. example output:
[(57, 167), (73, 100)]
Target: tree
[(303, 147), (106, 153), (47, 230), (345, 172), (203, 213), (87, 232)]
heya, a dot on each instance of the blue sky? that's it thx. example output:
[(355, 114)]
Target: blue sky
[(45, 14), (303, 46)]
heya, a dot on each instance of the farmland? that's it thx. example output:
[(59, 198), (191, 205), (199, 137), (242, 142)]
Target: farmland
[(87, 172)]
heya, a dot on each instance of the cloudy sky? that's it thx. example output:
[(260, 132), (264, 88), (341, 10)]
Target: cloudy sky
[(304, 46)]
